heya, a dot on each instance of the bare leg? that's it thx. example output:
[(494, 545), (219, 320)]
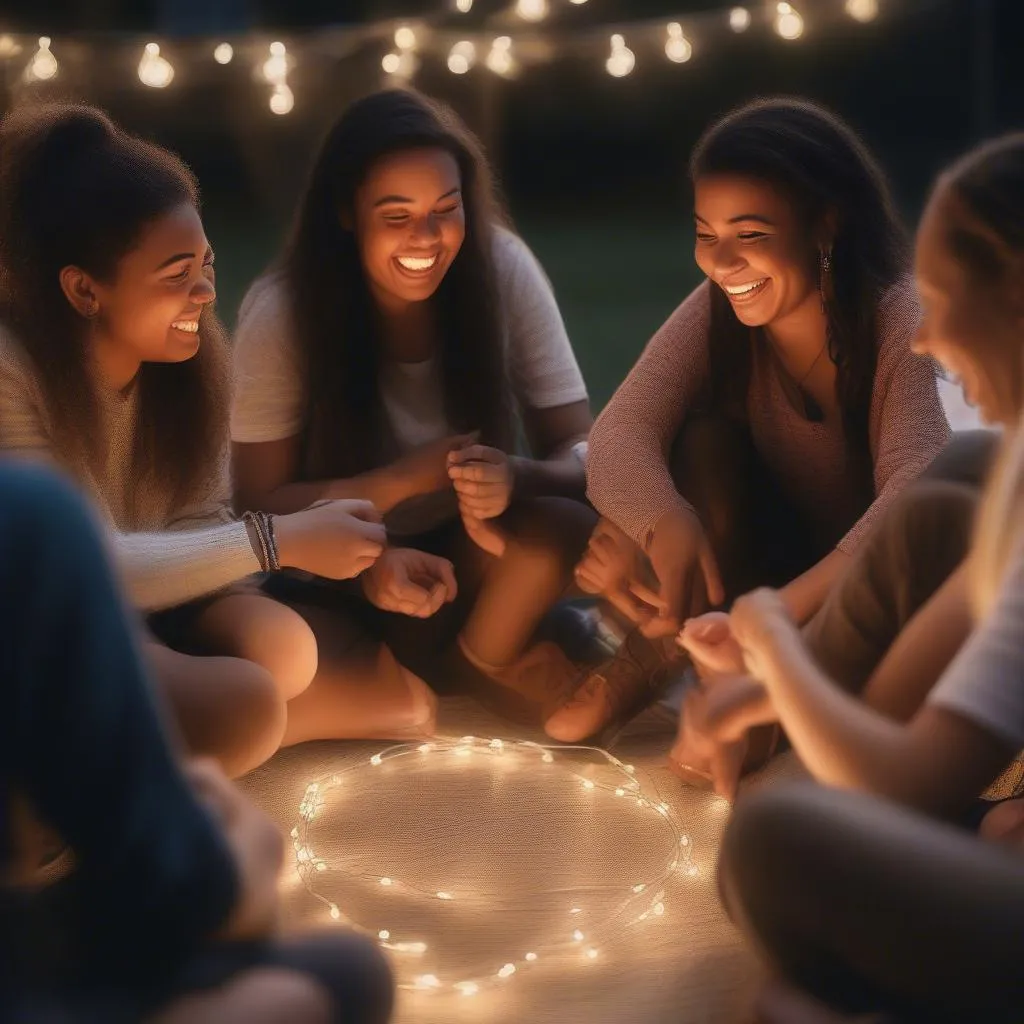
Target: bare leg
[(359, 691), (868, 906), (225, 708), (547, 537)]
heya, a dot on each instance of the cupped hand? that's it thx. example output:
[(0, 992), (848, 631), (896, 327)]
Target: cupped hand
[(410, 582), (483, 479)]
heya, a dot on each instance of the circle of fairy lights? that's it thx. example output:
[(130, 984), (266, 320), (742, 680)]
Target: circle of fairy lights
[(639, 903)]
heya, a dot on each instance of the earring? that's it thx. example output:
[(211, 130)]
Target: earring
[(825, 269), (92, 310), (826, 261)]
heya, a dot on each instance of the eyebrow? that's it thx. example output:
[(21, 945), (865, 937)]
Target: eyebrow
[(405, 199), (177, 259), (756, 217)]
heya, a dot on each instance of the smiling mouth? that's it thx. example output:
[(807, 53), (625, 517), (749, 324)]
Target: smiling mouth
[(745, 292), (186, 326), (417, 264)]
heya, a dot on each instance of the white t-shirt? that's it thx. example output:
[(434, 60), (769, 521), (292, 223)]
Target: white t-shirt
[(270, 398), (985, 681)]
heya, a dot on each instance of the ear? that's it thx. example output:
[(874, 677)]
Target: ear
[(80, 290)]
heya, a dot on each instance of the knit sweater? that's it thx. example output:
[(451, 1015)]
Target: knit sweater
[(628, 475), (166, 555)]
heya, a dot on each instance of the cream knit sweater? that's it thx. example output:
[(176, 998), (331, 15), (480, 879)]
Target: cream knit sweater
[(166, 555)]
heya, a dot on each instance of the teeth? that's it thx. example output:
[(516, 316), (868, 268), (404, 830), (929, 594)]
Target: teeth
[(189, 326), (417, 262), (744, 289)]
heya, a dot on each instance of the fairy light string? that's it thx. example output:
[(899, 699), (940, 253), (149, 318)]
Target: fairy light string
[(583, 937)]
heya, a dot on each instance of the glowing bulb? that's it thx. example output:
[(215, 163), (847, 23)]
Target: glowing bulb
[(577, 2), (684, 840), (427, 981), (295, 833), (629, 768), (659, 909), (376, 759), (460, 60), (677, 47), (588, 784), (281, 101), (532, 10), (693, 871), (463, 6), (547, 757), (497, 744), (391, 62), (862, 10), (154, 70), (405, 38), (531, 957), (404, 65), (223, 53), (622, 59), (639, 887), (8, 47), (577, 935), (739, 19), (591, 953), (425, 748), (275, 67), (386, 882), (43, 65), (445, 896), (335, 912), (620, 792), (575, 910), (321, 866), (788, 22), (507, 971), (383, 935), (466, 988)]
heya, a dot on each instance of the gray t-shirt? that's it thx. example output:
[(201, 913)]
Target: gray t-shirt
[(985, 681)]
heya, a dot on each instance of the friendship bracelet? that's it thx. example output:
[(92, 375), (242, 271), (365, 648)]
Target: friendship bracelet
[(263, 552), (272, 555)]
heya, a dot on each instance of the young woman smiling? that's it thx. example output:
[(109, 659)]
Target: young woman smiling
[(388, 356), (778, 411), (114, 366)]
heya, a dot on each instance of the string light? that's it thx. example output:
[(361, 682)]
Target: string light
[(532, 10), (647, 896), (461, 58), (622, 59), (405, 38), (43, 65), (281, 99), (677, 47), (155, 70), (275, 67), (788, 22), (464, 6), (739, 19), (862, 10), (223, 53), (578, 3)]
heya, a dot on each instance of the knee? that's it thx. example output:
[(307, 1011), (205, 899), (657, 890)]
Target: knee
[(933, 516), (258, 720), (550, 532), (281, 642)]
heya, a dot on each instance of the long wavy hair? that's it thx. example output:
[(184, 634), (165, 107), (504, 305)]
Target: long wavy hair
[(76, 190), (817, 161), (332, 309), (989, 244)]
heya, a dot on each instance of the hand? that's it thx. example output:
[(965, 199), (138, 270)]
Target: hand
[(611, 566), (483, 480), (697, 748), (255, 844), (424, 470), (711, 646), (410, 582), (759, 621), (337, 539), (680, 555)]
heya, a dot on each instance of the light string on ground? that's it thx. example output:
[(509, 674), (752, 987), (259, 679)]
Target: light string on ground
[(642, 900)]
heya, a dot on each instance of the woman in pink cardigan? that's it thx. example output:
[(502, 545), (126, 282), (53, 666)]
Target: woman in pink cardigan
[(778, 410)]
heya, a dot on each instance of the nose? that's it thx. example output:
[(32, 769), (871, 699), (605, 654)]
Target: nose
[(726, 259), (425, 230), (203, 291)]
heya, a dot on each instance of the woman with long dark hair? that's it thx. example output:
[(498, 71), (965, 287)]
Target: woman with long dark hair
[(779, 410), (114, 366), (393, 353)]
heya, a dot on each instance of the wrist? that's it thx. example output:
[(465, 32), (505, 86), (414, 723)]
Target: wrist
[(677, 515), (287, 546), (523, 478)]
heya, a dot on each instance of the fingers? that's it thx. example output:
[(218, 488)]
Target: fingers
[(635, 610), (363, 563), (735, 705), (587, 580), (446, 575), (712, 577), (726, 766), (364, 510), (481, 454)]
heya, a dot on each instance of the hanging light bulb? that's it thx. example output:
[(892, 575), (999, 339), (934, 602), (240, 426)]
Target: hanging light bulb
[(223, 53), (463, 6), (532, 10), (281, 99), (154, 70), (577, 2), (405, 38), (622, 59), (43, 65), (739, 19), (499, 59), (275, 67), (462, 57), (401, 65), (678, 48), (862, 10), (788, 22)]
